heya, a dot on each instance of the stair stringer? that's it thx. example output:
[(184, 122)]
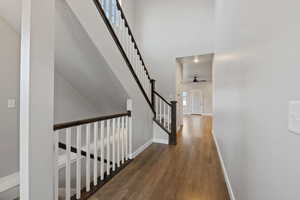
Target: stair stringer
[(159, 135), (92, 22)]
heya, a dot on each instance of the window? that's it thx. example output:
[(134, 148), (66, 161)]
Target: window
[(184, 98), (111, 10)]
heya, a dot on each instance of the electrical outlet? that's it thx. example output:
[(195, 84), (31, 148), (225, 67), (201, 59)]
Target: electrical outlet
[(294, 117), (11, 103)]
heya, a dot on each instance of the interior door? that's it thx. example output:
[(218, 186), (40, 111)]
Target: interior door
[(196, 102)]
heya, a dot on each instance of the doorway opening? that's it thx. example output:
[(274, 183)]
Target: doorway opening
[(194, 82)]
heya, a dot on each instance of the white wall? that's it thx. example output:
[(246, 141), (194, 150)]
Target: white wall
[(70, 105), (129, 7), (9, 88), (169, 29), (256, 73)]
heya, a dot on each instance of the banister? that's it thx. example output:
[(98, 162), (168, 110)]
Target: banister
[(120, 47), (88, 121), (131, 34), (162, 98)]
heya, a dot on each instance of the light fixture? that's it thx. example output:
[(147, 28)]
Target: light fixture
[(196, 60)]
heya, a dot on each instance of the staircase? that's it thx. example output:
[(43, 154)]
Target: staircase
[(100, 147), (90, 152), (93, 151)]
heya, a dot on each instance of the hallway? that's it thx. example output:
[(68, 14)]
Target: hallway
[(188, 171)]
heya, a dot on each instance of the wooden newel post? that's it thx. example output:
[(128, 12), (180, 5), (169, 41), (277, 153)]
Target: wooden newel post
[(152, 93), (173, 136)]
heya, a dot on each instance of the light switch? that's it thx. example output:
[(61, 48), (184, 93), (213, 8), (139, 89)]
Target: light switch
[(11, 103), (294, 117)]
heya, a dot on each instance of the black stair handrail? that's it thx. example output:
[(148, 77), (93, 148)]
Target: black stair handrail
[(120, 47), (162, 98), (88, 121)]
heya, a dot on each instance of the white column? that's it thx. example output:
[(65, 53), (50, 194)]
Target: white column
[(36, 100)]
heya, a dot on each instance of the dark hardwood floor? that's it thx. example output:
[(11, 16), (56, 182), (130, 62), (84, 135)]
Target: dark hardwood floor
[(189, 171)]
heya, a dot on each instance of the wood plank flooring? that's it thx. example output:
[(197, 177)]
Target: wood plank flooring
[(189, 171)]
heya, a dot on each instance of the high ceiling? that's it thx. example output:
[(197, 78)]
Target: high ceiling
[(200, 66)]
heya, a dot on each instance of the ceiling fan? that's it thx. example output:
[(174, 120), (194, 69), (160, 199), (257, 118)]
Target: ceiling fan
[(195, 79)]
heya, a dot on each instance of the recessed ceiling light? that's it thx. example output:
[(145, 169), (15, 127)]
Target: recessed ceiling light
[(196, 60)]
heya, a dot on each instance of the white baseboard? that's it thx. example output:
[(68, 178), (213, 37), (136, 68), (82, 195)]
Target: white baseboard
[(226, 176), (160, 141), (141, 149), (9, 182)]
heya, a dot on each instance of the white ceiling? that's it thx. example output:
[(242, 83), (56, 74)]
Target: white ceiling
[(200, 66), (76, 57)]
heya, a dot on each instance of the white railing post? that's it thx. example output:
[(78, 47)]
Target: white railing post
[(78, 163), (56, 168), (122, 141), (113, 144), (88, 159), (68, 163), (108, 147), (102, 149), (129, 108), (95, 153), (118, 141)]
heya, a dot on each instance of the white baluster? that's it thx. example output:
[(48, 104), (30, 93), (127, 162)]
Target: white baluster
[(88, 159), (129, 108), (126, 137), (102, 149), (95, 153), (133, 53), (125, 38), (165, 111), (130, 137), (119, 24), (136, 61), (160, 110), (56, 168), (113, 144), (123, 35), (123, 133), (108, 147), (118, 140), (68, 164), (148, 89), (143, 79), (130, 49), (128, 46), (141, 72), (156, 104), (137, 67), (78, 163), (169, 118)]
